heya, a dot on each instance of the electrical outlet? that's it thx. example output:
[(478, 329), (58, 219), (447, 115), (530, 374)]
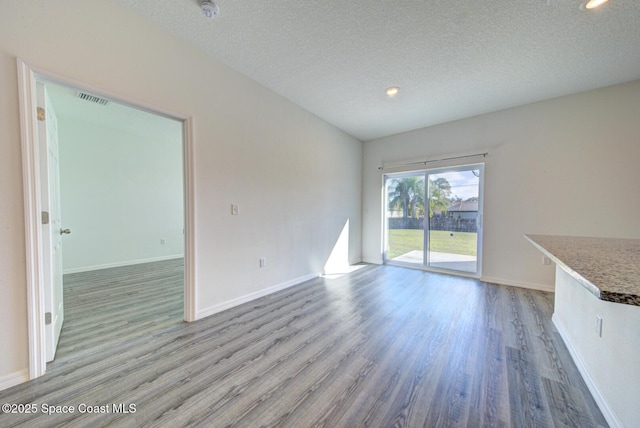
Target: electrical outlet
[(546, 260), (234, 209), (263, 262), (163, 241), (599, 325)]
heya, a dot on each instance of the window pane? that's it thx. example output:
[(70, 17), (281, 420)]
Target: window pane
[(405, 219), (452, 224)]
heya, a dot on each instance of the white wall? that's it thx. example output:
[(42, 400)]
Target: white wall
[(567, 166), (121, 193), (296, 178), (609, 363), (13, 291)]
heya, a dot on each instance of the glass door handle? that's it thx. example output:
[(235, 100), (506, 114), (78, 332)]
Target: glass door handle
[(65, 231)]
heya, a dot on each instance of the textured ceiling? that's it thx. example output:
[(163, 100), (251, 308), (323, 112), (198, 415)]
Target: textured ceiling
[(451, 59)]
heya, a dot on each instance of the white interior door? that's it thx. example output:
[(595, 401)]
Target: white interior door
[(52, 226)]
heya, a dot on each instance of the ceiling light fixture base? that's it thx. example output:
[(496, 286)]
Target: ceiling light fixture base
[(209, 8)]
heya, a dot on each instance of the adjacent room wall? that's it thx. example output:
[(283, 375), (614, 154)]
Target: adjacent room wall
[(121, 194), (296, 179), (567, 166)]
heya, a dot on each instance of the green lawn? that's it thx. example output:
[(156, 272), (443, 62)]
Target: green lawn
[(402, 241)]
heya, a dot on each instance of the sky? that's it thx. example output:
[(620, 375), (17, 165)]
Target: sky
[(464, 184)]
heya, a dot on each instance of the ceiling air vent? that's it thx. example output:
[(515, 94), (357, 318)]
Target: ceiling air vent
[(92, 98)]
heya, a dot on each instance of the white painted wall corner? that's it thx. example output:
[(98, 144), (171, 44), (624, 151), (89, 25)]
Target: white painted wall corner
[(203, 313), (13, 379)]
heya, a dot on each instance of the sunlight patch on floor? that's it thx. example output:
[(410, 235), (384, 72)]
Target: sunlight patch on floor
[(343, 271)]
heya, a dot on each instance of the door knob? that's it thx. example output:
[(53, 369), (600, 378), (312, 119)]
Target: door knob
[(65, 231)]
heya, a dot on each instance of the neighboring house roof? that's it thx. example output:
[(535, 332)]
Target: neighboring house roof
[(464, 206)]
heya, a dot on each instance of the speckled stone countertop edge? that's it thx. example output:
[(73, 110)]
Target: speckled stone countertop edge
[(625, 299), (593, 289)]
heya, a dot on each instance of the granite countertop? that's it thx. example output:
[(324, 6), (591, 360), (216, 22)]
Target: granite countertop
[(608, 267)]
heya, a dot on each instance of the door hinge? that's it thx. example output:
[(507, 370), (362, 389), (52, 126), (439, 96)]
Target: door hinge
[(47, 318), (41, 113), (45, 217)]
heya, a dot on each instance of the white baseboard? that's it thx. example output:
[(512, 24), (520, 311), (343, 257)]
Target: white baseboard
[(532, 286), (608, 414), (494, 280), (120, 264), (14, 379), (203, 313)]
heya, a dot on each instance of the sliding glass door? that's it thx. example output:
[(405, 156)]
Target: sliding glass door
[(434, 218), (405, 218)]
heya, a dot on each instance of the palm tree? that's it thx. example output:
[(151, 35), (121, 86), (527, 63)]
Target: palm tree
[(417, 201), (408, 193), (439, 196)]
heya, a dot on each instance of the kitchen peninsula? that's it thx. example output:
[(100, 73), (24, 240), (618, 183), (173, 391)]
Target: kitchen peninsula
[(597, 313)]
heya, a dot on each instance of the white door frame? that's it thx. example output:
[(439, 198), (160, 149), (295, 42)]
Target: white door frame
[(27, 76)]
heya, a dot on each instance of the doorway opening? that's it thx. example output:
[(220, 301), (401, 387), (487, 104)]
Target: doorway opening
[(97, 218), (433, 219)]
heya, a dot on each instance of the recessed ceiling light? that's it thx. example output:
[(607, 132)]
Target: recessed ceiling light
[(392, 91), (592, 4)]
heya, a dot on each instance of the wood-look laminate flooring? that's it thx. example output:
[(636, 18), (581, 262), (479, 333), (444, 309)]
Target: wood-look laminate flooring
[(381, 347)]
